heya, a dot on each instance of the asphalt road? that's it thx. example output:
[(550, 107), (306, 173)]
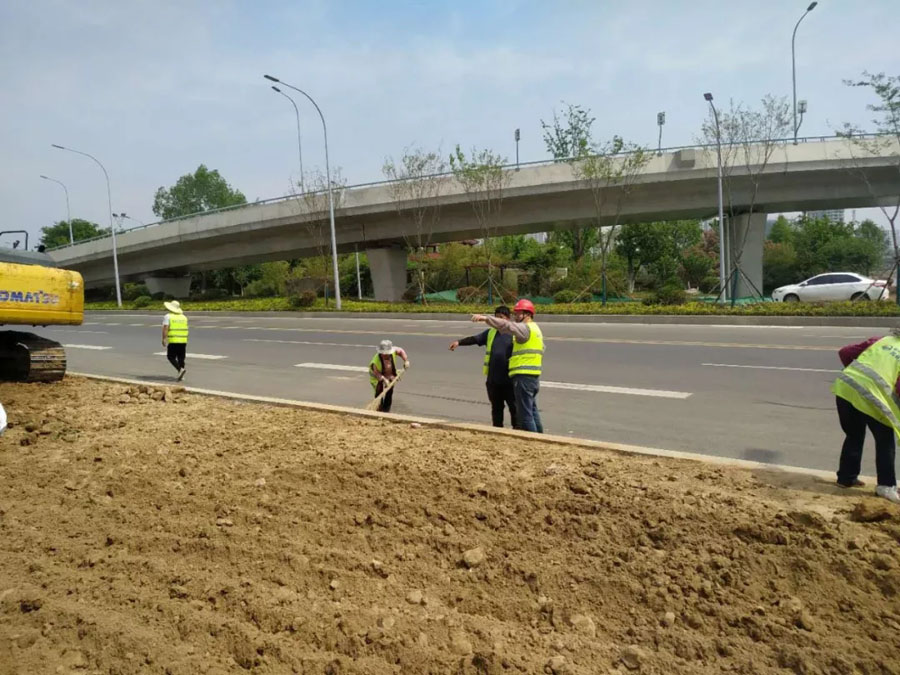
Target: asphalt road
[(759, 393)]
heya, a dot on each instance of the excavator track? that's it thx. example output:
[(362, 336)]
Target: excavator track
[(26, 357)]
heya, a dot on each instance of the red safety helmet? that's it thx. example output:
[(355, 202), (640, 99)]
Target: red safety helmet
[(524, 305)]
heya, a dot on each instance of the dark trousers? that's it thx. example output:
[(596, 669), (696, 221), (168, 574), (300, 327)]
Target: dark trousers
[(176, 353), (527, 388), (500, 395), (388, 400), (854, 424)]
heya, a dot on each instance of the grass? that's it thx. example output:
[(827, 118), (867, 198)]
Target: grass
[(878, 309)]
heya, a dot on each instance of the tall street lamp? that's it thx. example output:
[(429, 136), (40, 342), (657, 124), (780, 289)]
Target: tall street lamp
[(299, 144), (811, 7), (68, 211), (112, 228), (660, 121), (334, 259), (709, 99)]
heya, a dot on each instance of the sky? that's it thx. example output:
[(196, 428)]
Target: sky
[(154, 88)]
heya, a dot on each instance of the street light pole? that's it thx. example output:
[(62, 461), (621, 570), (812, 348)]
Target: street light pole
[(358, 278), (811, 7), (709, 99), (517, 136), (660, 121), (111, 226), (68, 211), (334, 259), (299, 144)]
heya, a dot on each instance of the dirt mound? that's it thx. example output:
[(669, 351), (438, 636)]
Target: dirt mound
[(213, 536)]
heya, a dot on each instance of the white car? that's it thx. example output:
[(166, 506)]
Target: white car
[(833, 286)]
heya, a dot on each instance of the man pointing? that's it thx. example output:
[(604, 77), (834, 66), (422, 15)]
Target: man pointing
[(525, 363)]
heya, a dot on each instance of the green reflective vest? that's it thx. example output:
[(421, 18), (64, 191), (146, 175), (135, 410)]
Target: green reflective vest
[(376, 361), (178, 329), (868, 383), (492, 333), (527, 357)]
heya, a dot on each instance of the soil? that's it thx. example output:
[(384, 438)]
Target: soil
[(154, 530)]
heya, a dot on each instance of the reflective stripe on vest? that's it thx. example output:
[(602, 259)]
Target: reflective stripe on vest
[(527, 357), (492, 333), (376, 361), (178, 329), (865, 383)]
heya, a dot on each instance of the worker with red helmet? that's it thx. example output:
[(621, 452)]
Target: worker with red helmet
[(526, 361)]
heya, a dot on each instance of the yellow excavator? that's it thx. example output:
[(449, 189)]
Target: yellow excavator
[(33, 292)]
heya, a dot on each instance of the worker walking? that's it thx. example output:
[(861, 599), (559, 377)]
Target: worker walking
[(175, 336), (498, 350), (868, 395), (525, 362), (383, 370)]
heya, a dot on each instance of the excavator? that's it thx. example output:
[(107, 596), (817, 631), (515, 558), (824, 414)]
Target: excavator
[(34, 292)]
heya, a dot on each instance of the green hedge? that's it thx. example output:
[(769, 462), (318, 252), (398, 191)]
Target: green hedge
[(886, 309)]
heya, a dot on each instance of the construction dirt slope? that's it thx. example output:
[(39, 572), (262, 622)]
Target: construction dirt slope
[(152, 531)]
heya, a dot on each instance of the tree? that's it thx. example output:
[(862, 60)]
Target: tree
[(58, 233), (315, 201), (610, 174), (566, 139), (748, 139), (886, 89), (639, 244), (781, 232), (417, 181), (483, 178), (203, 190), (779, 265)]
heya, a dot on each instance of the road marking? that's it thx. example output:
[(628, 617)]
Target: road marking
[(80, 332), (301, 342), (95, 347), (191, 355), (600, 388), (604, 389), (139, 324), (805, 370), (332, 366)]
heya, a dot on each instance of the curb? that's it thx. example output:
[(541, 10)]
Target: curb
[(619, 448), (663, 319)]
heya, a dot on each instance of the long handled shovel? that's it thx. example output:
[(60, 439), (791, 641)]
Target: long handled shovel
[(375, 403)]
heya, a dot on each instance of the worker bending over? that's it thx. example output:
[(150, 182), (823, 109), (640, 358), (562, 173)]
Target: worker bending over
[(868, 395), (383, 370), (525, 363)]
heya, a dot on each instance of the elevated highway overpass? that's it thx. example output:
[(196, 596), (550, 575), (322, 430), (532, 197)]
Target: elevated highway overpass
[(677, 184)]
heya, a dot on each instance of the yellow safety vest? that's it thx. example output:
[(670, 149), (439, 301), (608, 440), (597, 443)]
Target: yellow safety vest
[(492, 333), (868, 383), (376, 361), (527, 357), (178, 329)]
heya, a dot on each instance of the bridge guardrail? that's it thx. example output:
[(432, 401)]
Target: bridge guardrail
[(360, 186)]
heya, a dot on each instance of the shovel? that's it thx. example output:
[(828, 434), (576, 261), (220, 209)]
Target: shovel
[(376, 402)]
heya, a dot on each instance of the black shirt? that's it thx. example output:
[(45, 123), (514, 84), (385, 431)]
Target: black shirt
[(501, 351)]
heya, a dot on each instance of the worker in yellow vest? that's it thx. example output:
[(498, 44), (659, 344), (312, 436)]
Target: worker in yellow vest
[(497, 352), (383, 370), (868, 395), (525, 363), (175, 336)]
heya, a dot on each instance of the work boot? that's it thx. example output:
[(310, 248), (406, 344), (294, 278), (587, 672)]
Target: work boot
[(181, 374), (889, 492)]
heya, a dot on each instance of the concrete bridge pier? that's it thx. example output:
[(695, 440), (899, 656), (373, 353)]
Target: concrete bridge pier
[(753, 225), (388, 266), (179, 287)]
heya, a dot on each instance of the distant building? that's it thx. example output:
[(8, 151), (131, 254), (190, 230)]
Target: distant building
[(834, 215), (539, 237)]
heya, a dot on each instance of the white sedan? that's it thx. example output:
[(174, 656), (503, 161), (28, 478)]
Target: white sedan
[(833, 286)]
